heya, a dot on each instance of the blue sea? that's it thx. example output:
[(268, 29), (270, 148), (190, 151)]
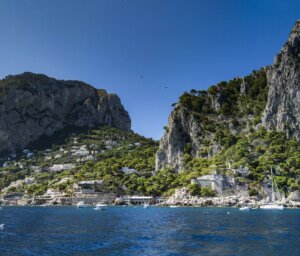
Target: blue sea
[(154, 231)]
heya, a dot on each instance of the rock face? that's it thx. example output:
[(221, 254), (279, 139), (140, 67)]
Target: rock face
[(182, 129), (34, 105), (283, 107), (295, 196), (279, 108)]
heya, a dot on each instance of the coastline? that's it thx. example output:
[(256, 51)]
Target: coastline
[(179, 201)]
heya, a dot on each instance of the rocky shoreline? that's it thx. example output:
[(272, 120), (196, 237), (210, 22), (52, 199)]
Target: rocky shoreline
[(226, 201), (176, 200), (181, 198)]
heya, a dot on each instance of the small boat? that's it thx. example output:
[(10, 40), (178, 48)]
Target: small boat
[(146, 206), (100, 206), (245, 208), (1, 226), (45, 205), (272, 205), (174, 206), (81, 204)]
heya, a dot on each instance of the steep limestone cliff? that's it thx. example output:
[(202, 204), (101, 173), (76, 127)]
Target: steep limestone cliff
[(201, 119), (34, 105), (283, 107), (182, 129)]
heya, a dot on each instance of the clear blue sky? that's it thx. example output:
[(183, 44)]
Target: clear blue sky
[(112, 43)]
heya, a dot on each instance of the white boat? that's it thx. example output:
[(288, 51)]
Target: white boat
[(146, 205), (245, 208), (174, 206), (45, 205), (100, 206), (1, 226), (272, 205), (81, 204)]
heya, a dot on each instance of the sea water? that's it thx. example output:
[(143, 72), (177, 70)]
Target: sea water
[(153, 231)]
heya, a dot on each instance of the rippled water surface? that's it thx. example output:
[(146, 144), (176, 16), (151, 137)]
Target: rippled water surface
[(152, 231)]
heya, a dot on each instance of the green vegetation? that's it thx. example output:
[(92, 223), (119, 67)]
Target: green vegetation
[(106, 151), (243, 143), (258, 151), (229, 96), (196, 190)]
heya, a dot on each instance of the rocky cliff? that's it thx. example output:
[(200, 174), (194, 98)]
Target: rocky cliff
[(283, 106), (182, 130), (204, 122), (33, 105)]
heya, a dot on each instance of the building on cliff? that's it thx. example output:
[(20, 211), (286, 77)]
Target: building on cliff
[(88, 186), (216, 182)]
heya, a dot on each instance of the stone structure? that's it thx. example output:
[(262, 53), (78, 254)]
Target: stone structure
[(136, 200), (88, 186), (216, 182)]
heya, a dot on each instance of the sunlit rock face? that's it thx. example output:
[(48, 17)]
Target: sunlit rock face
[(283, 107), (281, 111)]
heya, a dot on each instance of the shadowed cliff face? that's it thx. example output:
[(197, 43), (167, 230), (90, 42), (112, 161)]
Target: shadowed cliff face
[(283, 107), (34, 105), (275, 90)]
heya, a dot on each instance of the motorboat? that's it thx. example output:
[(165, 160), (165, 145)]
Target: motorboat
[(45, 205), (81, 204), (245, 208), (174, 206), (272, 206), (100, 206)]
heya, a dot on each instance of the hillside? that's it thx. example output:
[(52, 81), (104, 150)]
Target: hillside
[(248, 123), (121, 159), (66, 139)]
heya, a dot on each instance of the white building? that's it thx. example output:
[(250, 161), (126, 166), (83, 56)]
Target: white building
[(88, 186), (127, 170), (52, 193), (137, 199), (242, 170), (82, 151), (29, 180), (61, 167)]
